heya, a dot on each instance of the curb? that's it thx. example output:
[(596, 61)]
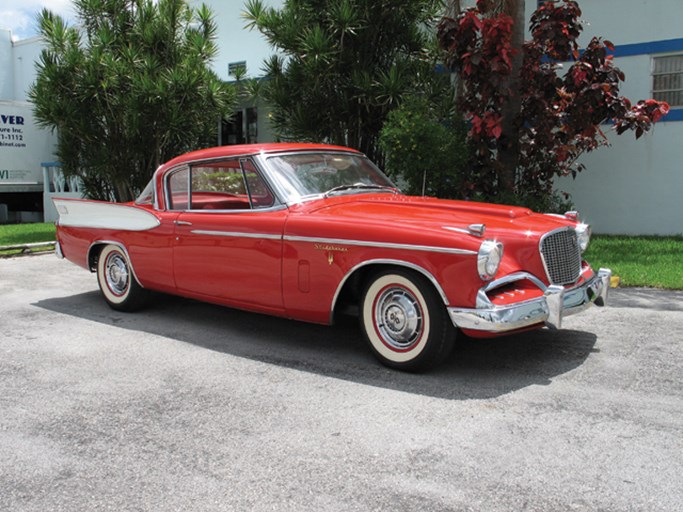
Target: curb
[(25, 248)]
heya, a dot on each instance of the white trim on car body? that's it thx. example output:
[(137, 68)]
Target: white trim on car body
[(101, 215), (236, 234)]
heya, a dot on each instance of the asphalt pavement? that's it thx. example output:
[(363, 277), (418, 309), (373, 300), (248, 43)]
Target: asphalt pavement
[(193, 407)]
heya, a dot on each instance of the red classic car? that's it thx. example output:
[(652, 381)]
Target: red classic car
[(306, 230)]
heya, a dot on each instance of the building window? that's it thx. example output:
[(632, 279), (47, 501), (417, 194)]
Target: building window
[(667, 79), (242, 128)]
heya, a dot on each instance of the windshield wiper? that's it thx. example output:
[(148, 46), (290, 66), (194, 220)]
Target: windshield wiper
[(366, 186)]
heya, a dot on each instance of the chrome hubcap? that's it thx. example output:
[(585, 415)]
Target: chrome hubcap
[(398, 318), (116, 274)]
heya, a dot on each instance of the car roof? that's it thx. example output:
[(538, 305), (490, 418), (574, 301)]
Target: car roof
[(250, 149)]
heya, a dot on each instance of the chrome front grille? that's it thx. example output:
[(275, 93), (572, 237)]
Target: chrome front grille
[(561, 256)]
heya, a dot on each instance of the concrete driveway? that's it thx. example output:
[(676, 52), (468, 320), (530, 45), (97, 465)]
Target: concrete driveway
[(189, 406)]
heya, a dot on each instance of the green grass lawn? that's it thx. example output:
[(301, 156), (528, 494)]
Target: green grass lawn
[(640, 260), (14, 234), (11, 234)]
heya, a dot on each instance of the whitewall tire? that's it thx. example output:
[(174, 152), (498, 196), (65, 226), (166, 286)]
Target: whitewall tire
[(117, 282), (404, 321)]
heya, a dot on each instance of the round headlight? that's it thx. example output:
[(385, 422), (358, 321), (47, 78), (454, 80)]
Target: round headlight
[(489, 258), (583, 236)]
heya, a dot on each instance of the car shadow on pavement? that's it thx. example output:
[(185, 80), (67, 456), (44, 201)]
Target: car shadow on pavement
[(477, 369)]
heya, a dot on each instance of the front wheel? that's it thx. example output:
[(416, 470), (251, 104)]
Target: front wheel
[(404, 321), (117, 282)]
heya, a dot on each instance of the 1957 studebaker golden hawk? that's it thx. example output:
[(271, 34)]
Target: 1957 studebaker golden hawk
[(306, 230)]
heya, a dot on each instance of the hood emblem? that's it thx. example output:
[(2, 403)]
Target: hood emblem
[(477, 229)]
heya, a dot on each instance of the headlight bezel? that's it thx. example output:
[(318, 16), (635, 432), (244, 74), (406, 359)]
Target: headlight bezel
[(583, 236), (489, 257)]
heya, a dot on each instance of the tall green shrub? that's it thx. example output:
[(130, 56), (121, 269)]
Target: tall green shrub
[(426, 148), (342, 65), (127, 89)]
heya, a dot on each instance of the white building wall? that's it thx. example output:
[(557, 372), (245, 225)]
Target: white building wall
[(23, 145), (25, 55), (632, 21), (235, 42), (633, 187), (626, 21), (6, 76)]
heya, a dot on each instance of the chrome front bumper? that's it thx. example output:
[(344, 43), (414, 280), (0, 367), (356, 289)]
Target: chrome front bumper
[(556, 303)]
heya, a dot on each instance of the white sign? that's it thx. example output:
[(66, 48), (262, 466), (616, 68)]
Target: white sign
[(23, 146)]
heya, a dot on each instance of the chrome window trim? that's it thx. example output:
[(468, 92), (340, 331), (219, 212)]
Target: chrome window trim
[(381, 245), (167, 187), (399, 263), (278, 203), (263, 157), (236, 234)]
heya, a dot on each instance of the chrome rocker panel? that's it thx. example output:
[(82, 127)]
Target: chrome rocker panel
[(550, 309)]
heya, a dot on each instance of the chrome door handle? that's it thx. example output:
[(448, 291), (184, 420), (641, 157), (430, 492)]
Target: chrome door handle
[(182, 223)]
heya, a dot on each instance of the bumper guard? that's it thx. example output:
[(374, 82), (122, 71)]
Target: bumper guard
[(556, 303)]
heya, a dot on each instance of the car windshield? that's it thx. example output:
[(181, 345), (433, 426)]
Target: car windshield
[(306, 175)]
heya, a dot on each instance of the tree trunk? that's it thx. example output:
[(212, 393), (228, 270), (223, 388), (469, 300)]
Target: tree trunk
[(508, 150)]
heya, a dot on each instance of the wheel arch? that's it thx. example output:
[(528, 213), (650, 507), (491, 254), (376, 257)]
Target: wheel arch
[(358, 274), (95, 250)]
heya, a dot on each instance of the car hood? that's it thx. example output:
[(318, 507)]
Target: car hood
[(437, 216)]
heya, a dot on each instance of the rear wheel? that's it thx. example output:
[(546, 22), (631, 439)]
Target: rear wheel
[(404, 321), (117, 282)]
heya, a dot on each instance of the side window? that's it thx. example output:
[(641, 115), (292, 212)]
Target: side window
[(225, 177), (177, 190), (228, 185)]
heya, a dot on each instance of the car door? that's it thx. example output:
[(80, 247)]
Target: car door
[(228, 234)]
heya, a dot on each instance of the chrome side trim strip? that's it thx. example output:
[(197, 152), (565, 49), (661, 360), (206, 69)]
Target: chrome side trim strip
[(236, 234), (397, 263), (382, 245)]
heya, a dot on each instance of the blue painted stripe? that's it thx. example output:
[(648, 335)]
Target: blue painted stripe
[(648, 48), (675, 114)]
